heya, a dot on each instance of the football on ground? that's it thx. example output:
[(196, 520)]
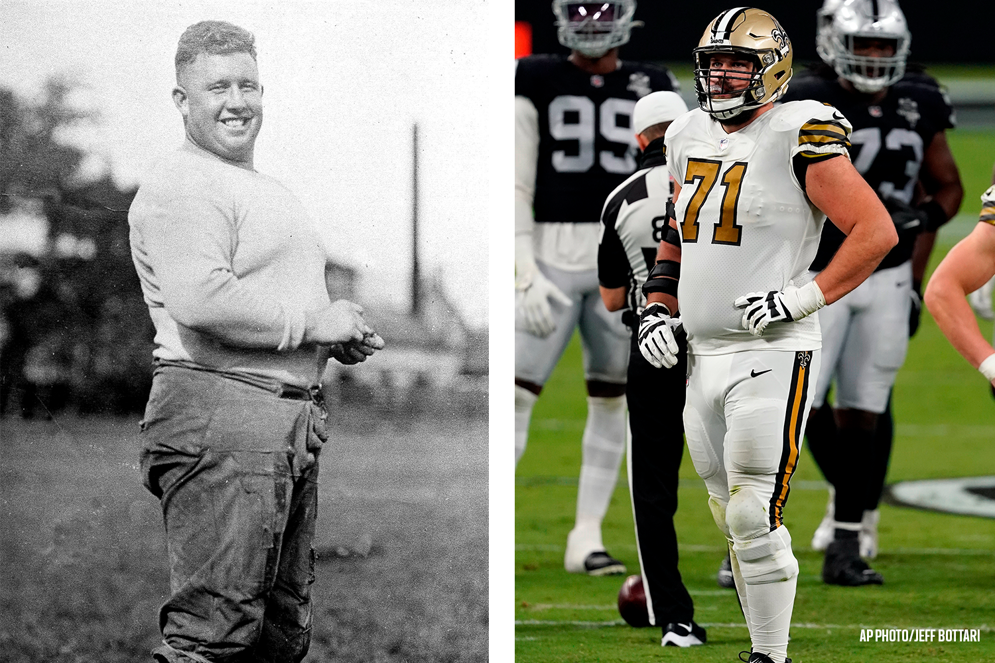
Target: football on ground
[(632, 602)]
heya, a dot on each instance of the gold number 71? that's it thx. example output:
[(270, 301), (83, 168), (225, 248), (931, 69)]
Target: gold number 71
[(706, 172)]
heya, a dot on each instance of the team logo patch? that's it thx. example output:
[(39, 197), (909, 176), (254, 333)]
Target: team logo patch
[(875, 111), (639, 83), (597, 81), (967, 496), (777, 34), (909, 109)]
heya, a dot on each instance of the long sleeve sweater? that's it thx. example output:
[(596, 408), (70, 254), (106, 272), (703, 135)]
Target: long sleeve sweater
[(229, 262)]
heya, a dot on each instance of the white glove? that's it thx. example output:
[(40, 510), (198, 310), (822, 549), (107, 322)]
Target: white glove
[(657, 342), (532, 301), (981, 300), (790, 304)]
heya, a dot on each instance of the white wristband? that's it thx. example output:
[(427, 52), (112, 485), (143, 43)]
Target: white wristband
[(810, 299), (987, 367)]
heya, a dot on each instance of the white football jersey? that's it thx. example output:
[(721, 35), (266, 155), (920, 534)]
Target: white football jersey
[(746, 223)]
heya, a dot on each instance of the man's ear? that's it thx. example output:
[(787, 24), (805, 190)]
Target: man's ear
[(180, 99)]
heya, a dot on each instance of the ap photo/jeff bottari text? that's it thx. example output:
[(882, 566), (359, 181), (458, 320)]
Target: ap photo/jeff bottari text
[(920, 635)]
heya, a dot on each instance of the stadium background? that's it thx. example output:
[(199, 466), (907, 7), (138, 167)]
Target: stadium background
[(937, 567)]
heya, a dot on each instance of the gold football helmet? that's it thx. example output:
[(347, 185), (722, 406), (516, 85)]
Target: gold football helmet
[(749, 34)]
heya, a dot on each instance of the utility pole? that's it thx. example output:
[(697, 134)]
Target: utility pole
[(415, 273)]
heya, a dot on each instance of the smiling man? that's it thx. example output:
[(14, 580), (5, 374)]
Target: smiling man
[(233, 275)]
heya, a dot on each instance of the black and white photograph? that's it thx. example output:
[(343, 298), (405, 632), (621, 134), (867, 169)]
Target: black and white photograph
[(244, 364)]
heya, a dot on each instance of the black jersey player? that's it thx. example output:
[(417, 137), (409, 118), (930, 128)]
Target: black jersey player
[(899, 146), (573, 144)]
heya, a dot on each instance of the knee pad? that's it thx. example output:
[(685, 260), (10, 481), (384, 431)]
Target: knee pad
[(764, 556), (719, 514)]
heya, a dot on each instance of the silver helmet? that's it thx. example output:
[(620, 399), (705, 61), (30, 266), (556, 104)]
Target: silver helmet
[(857, 20), (824, 29), (594, 28)]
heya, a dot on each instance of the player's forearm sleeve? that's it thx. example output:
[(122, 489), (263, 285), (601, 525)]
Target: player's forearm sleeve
[(526, 156), (190, 247)]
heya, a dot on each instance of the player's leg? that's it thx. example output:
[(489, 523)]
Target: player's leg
[(821, 429), (605, 341), (705, 429), (286, 632), (214, 452), (884, 435), (536, 357), (655, 398), (874, 353), (765, 418)]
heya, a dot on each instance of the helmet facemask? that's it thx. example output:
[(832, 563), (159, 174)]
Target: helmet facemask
[(750, 35), (867, 73), (594, 28), (860, 24)]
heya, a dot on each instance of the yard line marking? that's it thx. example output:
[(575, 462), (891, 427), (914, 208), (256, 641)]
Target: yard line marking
[(694, 484), (611, 606), (968, 552), (618, 622), (901, 430)]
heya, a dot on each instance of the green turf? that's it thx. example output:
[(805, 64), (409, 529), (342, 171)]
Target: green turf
[(938, 568)]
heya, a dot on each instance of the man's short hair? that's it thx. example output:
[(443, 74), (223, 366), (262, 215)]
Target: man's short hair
[(213, 38), (655, 131)]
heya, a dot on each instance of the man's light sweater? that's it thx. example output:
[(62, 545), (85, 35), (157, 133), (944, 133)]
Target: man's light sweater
[(229, 262)]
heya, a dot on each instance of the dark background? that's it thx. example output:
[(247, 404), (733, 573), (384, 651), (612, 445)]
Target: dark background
[(673, 29)]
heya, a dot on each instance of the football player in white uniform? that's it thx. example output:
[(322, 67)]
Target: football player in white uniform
[(900, 148), (967, 267), (754, 185), (573, 145)]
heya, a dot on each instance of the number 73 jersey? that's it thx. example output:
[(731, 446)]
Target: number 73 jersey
[(746, 224)]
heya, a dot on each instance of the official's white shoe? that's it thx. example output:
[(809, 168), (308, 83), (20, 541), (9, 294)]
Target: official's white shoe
[(683, 635), (869, 534), (825, 533)]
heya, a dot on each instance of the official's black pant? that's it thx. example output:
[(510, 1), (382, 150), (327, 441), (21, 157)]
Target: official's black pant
[(656, 406)]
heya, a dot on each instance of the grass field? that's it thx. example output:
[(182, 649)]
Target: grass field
[(938, 568), (402, 569)]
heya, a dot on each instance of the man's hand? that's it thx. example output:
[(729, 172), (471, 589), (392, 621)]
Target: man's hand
[(657, 341), (790, 304), (981, 300), (339, 322), (532, 302), (355, 352)]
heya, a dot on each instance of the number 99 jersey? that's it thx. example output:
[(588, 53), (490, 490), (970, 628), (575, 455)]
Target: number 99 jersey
[(746, 224), (586, 143)]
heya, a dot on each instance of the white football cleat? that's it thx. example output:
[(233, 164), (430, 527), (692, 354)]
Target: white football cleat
[(825, 532), (869, 534)]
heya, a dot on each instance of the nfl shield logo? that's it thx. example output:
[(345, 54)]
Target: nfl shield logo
[(597, 81), (875, 111)]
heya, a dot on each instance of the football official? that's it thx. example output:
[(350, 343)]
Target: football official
[(573, 145), (233, 274), (967, 267), (633, 222)]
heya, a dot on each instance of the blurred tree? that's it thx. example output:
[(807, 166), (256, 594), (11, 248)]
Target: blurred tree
[(35, 163), (90, 337)]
